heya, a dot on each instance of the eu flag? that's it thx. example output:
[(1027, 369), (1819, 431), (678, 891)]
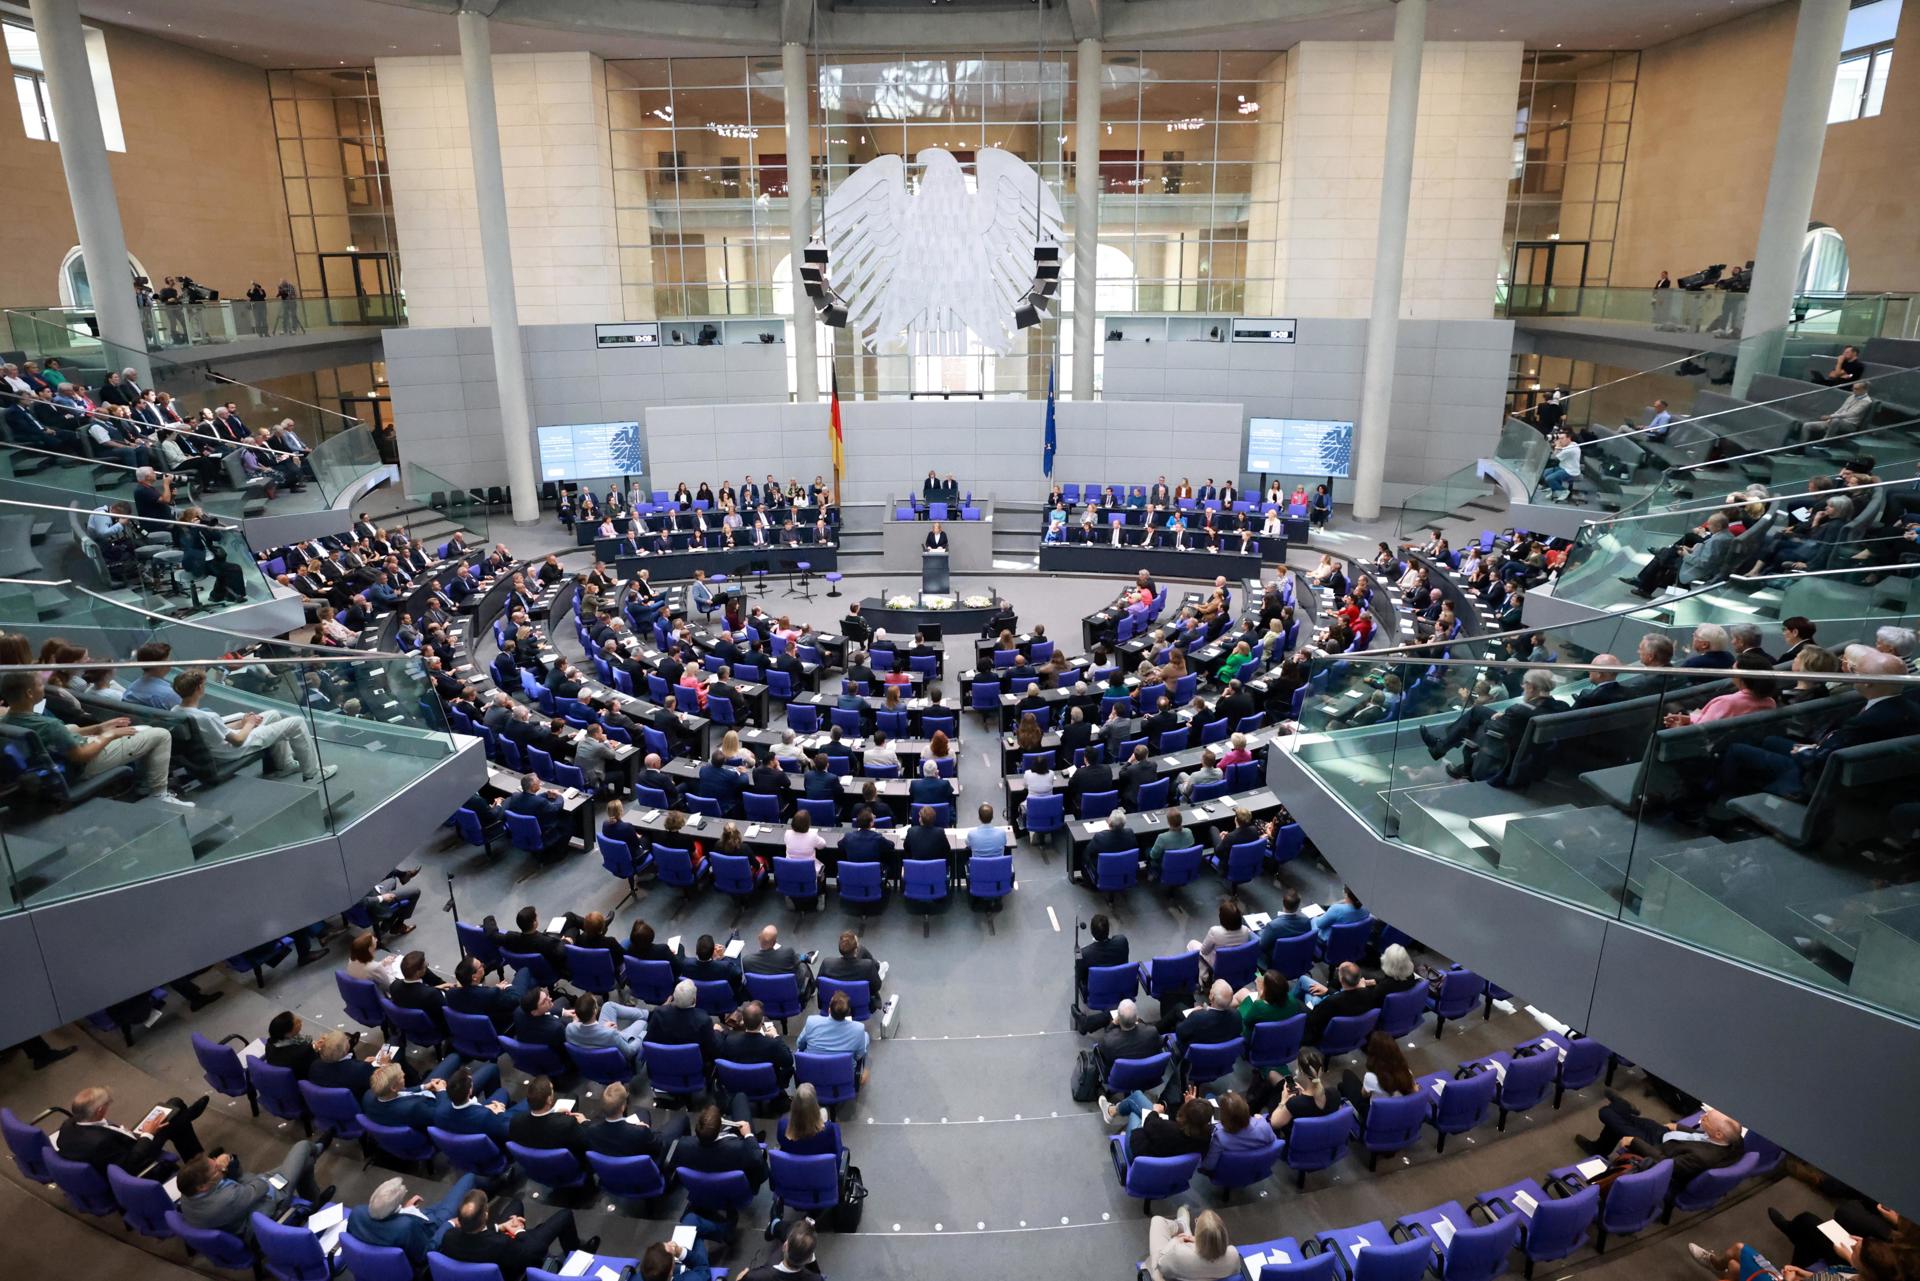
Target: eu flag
[(1046, 453)]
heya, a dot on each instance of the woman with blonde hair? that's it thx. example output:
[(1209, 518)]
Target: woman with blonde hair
[(1186, 1248), (806, 1130)]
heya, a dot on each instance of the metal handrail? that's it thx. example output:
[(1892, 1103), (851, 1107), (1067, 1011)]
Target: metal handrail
[(1623, 612), (1793, 445), (1704, 674), (139, 520), (319, 652), (72, 458), (1775, 497)]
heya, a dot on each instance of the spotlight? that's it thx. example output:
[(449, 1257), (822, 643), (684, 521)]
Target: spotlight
[(816, 254), (835, 317)]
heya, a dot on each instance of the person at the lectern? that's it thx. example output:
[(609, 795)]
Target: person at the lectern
[(936, 540)]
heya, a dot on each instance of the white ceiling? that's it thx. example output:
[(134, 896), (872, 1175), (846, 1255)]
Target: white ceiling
[(308, 33)]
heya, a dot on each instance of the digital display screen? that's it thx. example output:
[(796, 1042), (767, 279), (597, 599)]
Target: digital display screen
[(579, 451), (1299, 447)]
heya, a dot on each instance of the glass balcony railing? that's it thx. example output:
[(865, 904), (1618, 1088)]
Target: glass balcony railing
[(1652, 802), (311, 456), (73, 332), (1713, 313), (173, 568), (307, 741), (1613, 562)]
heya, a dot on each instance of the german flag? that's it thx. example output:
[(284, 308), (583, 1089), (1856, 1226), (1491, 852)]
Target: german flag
[(836, 436)]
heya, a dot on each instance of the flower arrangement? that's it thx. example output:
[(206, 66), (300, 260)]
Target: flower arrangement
[(978, 602)]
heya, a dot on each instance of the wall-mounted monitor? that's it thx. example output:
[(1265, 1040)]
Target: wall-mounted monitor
[(1263, 329), (1299, 447), (578, 451)]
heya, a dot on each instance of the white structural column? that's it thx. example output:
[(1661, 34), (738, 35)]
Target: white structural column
[(496, 260), (1817, 36), (1390, 259), (806, 366), (1086, 216), (83, 154)]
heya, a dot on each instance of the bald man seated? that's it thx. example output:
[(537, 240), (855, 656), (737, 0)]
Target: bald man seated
[(1717, 1141), (775, 957)]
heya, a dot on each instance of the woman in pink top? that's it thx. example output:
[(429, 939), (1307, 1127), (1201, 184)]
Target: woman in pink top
[(1748, 696), (1236, 751)]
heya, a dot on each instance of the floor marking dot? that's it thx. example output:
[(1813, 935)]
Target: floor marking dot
[(1023, 1223), (981, 1226), (896, 1227), (939, 1227), (1063, 1218), (1105, 1217)]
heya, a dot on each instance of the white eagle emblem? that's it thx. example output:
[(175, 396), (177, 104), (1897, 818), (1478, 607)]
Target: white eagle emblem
[(933, 263)]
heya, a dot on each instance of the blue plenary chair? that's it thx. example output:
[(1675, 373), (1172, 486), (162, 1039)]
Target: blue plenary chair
[(1393, 1124), (859, 995), (924, 881), (1108, 985), (1526, 1081), (143, 1203), (477, 1154), (291, 1253), (861, 885), (1128, 1075), (1242, 863), (29, 1145), (1709, 1187), (336, 1109), (602, 1063), (1462, 1103), (1169, 978), (221, 1249), (1633, 1202), (989, 881), (1115, 872), (810, 1184), (1180, 866), (1045, 815), (474, 941), (1551, 1228), (400, 1142), (590, 969), (375, 1262), (1244, 1169), (549, 1167), (1402, 1012), (715, 997), (1206, 1063), (441, 1268), (1236, 964), (1293, 955), (473, 1036), (1316, 1142), (1347, 1033), (757, 1081), (221, 1067), (1460, 990), (833, 1077), (649, 981), (1473, 1252), (1275, 1045), (534, 1058), (716, 1196), (778, 994), (735, 875), (1152, 1178), (632, 1177), (1346, 941), (279, 1092), (361, 998), (677, 1071), (1583, 1061), (85, 1188)]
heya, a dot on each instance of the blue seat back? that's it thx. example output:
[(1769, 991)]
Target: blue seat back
[(990, 875), (1153, 796), (796, 878), (858, 995), (1108, 985), (474, 942), (1479, 1253), (755, 1080), (1585, 1062), (477, 1153), (649, 981), (715, 997), (532, 1058), (716, 1195), (627, 1176), (860, 883), (1464, 1103), (403, 1143), (278, 1090), (1236, 964), (1168, 976), (1635, 1200), (143, 1203), (1155, 1178), (1529, 1077), (1316, 1142), (603, 1063), (221, 1066), (1294, 954), (1558, 1227), (924, 880), (1116, 870), (1706, 1189), (334, 1107), (375, 1262), (85, 1187), (590, 969), (1128, 1075), (1394, 1260), (441, 1268), (221, 1249), (1314, 1267), (1401, 1012), (675, 1069), (1394, 1121), (831, 1075), (778, 994), (1347, 1033), (290, 1252), (1180, 867), (551, 1167), (803, 718), (1209, 1062), (1245, 1168), (1274, 1045), (819, 809), (1095, 806), (734, 874), (1046, 813), (1460, 991), (762, 808), (1243, 861)]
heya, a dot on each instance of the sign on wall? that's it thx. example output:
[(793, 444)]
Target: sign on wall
[(626, 335), (1262, 329)]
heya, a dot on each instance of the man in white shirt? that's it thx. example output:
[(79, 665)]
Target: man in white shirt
[(285, 738)]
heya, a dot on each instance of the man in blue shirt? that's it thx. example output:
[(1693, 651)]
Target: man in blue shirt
[(391, 1217), (1288, 922), (153, 688), (381, 593), (721, 784), (986, 840), (1347, 909), (836, 1032)]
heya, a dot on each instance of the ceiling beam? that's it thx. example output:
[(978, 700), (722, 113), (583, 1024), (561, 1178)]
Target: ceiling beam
[(1085, 15)]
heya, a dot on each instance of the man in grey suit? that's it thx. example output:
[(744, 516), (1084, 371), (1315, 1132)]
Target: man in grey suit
[(593, 753), (214, 1193), (406, 1223)]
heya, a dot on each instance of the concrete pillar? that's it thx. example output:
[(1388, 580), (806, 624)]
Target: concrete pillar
[(1390, 259), (1817, 36), (83, 154), (793, 67), (496, 259), (1086, 217)]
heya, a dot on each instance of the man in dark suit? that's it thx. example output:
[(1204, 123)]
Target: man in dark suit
[(89, 1138), (539, 1023), (1103, 948), (1111, 838), (472, 994), (527, 936), (721, 784), (1127, 1038), (652, 775), (1244, 829), (722, 1144), (819, 782), (1211, 1024), (680, 1022), (710, 963), (411, 990), (854, 964), (1715, 1142), (722, 686), (1235, 704), (540, 1126), (394, 1219), (1355, 996), (751, 1043), (464, 1108), (547, 806), (775, 957), (1089, 779), (1605, 687), (1075, 734), (926, 838), (1137, 771), (618, 1134), (1489, 755), (476, 1238)]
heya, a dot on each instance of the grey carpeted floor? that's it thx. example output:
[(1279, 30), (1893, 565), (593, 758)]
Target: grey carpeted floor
[(978, 1160)]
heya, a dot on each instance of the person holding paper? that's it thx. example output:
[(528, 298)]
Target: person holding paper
[(394, 1218), (1841, 1239), (478, 1236), (88, 1137), (1717, 1142), (216, 1194)]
